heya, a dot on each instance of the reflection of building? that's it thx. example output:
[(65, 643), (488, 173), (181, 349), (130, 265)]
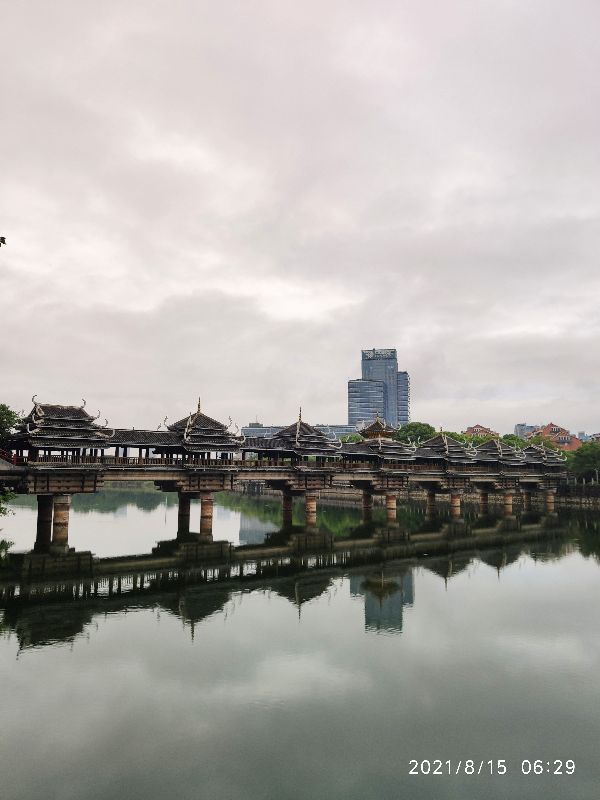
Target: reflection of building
[(381, 390), (253, 530), (385, 597)]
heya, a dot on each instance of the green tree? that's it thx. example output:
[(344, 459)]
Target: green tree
[(351, 437), (458, 437), (585, 461), (514, 441), (475, 440), (8, 420), (415, 431)]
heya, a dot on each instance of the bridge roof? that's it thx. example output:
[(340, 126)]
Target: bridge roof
[(383, 448), (131, 437), (497, 450), (443, 446), (199, 433), (540, 454), (54, 426), (299, 438), (378, 428)]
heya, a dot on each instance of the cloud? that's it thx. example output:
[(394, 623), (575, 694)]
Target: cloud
[(234, 201)]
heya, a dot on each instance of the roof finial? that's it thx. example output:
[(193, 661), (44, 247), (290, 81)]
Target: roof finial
[(199, 407), (300, 415)]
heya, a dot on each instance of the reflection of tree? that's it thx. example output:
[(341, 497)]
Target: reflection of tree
[(110, 500)]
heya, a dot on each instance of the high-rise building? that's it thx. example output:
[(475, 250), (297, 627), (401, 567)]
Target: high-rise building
[(381, 390)]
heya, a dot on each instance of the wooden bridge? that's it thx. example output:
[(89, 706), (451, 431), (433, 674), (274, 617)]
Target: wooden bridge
[(58, 451)]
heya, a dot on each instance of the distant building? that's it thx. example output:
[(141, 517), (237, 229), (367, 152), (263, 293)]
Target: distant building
[(380, 391), (480, 430), (561, 437), (258, 430), (523, 430), (594, 437)]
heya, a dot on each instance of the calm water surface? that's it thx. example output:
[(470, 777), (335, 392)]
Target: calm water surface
[(321, 687)]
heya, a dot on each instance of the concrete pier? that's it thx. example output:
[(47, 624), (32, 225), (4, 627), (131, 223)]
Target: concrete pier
[(484, 503), (183, 515), (310, 505), (430, 510), (288, 505), (455, 509), (44, 523), (60, 523), (367, 507), (526, 502), (508, 504), (550, 494), (391, 508), (206, 515)]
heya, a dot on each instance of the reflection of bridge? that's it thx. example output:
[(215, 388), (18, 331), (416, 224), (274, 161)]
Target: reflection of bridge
[(59, 451), (45, 613)]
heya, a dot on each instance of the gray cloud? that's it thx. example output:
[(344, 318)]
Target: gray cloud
[(232, 201)]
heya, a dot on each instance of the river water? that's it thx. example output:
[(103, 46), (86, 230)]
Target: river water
[(325, 686)]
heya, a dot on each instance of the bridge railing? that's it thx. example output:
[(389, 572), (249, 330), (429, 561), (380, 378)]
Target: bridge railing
[(243, 465)]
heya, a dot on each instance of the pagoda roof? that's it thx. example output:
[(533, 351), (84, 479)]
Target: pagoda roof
[(444, 446), (497, 450), (299, 438), (54, 426), (377, 428), (199, 433), (386, 449), (540, 454)]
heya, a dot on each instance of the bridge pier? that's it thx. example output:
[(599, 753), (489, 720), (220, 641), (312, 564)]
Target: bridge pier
[(508, 503), (288, 506), (183, 515), (310, 507), (430, 510), (367, 506), (391, 508), (60, 523), (206, 515), (43, 537), (550, 493), (484, 503), (455, 509), (526, 496)]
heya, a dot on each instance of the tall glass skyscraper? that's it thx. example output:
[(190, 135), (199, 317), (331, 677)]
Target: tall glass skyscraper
[(381, 390)]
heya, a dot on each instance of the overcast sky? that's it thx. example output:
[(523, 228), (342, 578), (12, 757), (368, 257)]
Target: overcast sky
[(231, 199)]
